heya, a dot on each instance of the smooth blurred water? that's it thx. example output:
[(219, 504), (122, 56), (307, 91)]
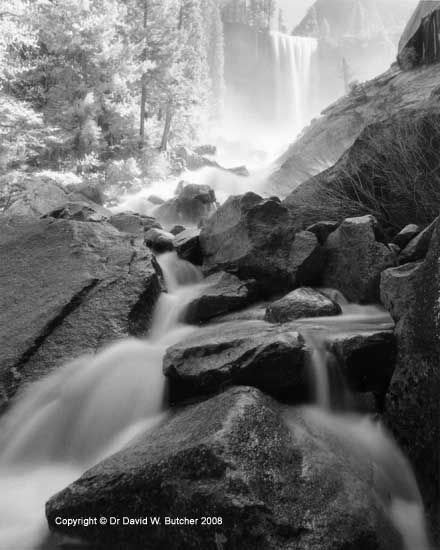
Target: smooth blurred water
[(84, 411)]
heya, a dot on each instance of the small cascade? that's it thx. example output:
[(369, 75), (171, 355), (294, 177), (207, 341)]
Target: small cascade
[(365, 440), (85, 411)]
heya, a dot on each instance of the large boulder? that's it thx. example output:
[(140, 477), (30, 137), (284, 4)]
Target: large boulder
[(187, 245), (366, 360), (159, 240), (269, 481), (257, 238), (254, 353), (302, 302), (355, 259), (417, 248), (38, 196), (223, 293), (192, 204), (66, 288), (412, 404)]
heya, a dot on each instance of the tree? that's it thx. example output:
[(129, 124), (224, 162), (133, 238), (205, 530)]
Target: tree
[(281, 23)]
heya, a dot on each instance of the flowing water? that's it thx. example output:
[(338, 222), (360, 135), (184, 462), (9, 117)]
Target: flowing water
[(96, 404), (363, 438), (85, 411)]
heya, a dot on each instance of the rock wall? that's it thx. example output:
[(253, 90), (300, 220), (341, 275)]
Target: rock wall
[(420, 42)]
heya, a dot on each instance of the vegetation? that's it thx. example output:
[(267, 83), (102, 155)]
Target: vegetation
[(392, 172), (85, 84)]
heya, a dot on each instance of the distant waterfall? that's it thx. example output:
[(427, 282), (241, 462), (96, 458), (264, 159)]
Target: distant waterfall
[(270, 86), (292, 98)]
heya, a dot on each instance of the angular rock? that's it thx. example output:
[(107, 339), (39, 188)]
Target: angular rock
[(303, 302), (38, 197), (175, 230), (367, 360), (159, 240), (192, 204), (418, 247), (187, 246), (257, 238), (254, 353), (323, 229), (81, 212), (355, 260), (224, 293), (406, 235), (67, 288), (277, 482), (396, 286), (133, 223), (412, 405), (88, 191)]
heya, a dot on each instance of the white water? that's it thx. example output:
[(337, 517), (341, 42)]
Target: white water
[(366, 442), (95, 405), (85, 411)]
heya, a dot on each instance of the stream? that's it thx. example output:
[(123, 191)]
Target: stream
[(95, 405)]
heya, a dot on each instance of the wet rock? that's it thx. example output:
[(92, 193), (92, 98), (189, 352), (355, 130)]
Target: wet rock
[(192, 204), (418, 247), (412, 406), (131, 222), (257, 238), (254, 353), (187, 246), (278, 481), (159, 240), (323, 229), (406, 235), (367, 360), (303, 302), (355, 260), (224, 293), (67, 288)]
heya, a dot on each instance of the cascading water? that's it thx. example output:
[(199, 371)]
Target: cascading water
[(85, 411), (362, 438), (97, 404)]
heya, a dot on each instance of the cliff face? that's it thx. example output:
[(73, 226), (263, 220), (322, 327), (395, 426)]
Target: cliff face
[(328, 137), (420, 42), (363, 33)]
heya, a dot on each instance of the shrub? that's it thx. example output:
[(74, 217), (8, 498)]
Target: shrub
[(392, 171)]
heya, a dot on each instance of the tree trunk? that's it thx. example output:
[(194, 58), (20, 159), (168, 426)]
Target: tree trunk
[(166, 129), (144, 76)]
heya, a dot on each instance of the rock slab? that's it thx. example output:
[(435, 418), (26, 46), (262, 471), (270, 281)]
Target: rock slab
[(276, 484)]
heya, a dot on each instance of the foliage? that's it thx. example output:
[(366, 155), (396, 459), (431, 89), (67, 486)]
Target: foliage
[(79, 78), (393, 172), (256, 13)]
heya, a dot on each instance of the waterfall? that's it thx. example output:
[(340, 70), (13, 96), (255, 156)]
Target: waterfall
[(293, 61), (86, 410), (269, 95)]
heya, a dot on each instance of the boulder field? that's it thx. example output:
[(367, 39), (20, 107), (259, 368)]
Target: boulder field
[(239, 441)]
